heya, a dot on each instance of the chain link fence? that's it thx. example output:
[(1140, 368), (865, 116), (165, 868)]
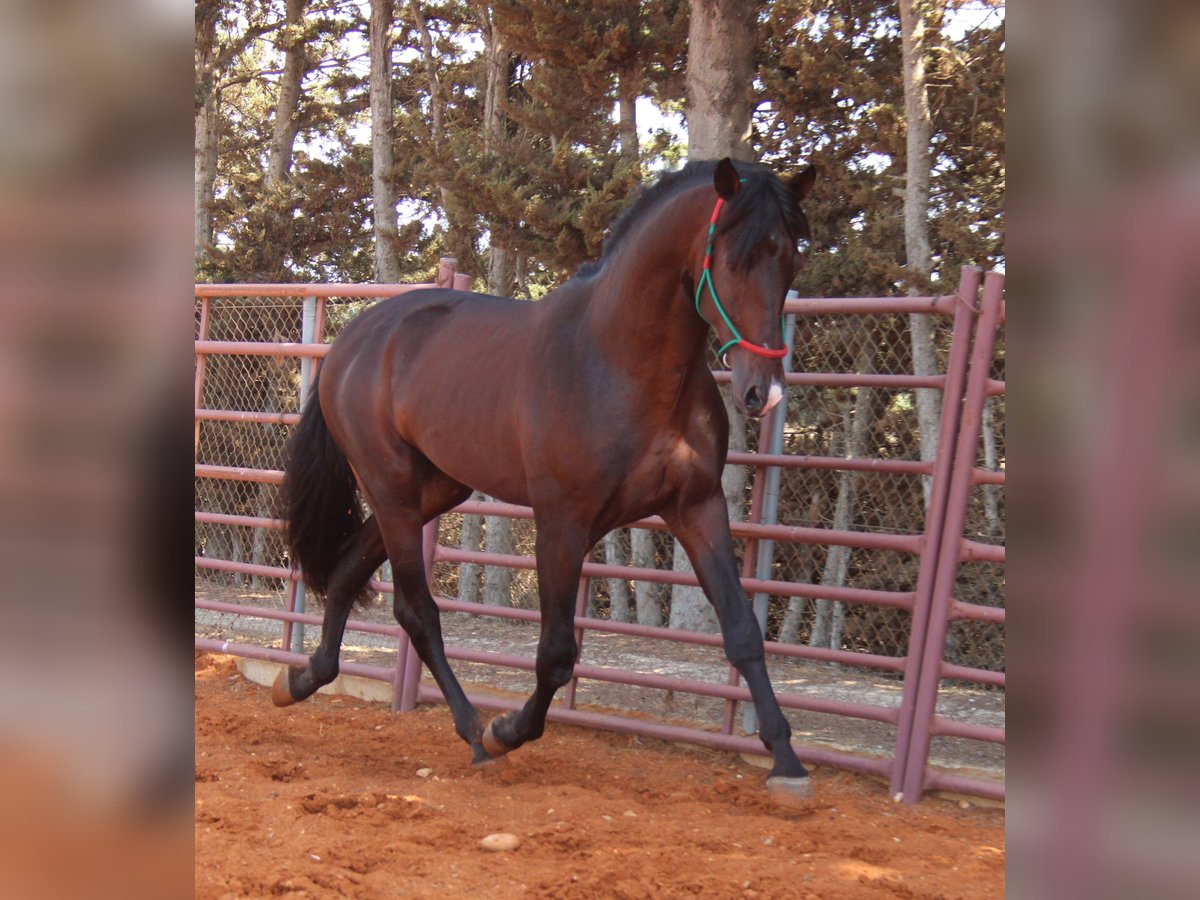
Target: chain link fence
[(821, 421)]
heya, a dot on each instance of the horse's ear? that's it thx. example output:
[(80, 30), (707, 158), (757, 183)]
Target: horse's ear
[(725, 179), (801, 183)]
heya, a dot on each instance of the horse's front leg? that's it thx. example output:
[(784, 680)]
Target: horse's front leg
[(561, 547), (703, 530)]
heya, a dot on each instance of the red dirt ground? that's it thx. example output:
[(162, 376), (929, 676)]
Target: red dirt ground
[(324, 799)]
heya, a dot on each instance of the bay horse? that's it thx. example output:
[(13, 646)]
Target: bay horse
[(594, 406)]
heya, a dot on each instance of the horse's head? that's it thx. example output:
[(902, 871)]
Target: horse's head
[(751, 257)]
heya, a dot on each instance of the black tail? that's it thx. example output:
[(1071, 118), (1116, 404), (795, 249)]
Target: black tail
[(319, 498)]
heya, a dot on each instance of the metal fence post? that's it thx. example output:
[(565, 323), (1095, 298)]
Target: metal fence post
[(770, 502), (952, 394), (964, 452), (201, 360), (308, 335)]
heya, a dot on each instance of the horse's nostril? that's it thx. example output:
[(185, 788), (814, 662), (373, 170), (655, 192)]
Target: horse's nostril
[(753, 399)]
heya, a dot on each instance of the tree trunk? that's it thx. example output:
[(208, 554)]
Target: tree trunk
[(916, 221), (690, 609), (437, 100), (856, 425), (498, 74), (646, 593), (501, 269), (721, 39), (497, 580), (207, 110), (468, 573), (383, 159), (991, 462), (206, 170), (618, 588), (627, 93), (437, 105), (722, 35), (287, 105), (789, 629)]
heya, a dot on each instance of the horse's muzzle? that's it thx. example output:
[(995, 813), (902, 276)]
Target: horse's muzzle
[(755, 404)]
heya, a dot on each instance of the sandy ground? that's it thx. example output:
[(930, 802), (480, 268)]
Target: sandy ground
[(337, 797)]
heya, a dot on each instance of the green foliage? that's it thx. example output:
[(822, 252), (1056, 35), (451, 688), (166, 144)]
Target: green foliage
[(828, 92)]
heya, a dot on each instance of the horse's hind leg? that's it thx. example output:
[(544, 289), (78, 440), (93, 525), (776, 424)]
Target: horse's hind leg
[(414, 606), (703, 530), (561, 548), (362, 556)]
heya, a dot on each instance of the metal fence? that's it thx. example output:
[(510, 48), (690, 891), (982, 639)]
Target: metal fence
[(878, 577)]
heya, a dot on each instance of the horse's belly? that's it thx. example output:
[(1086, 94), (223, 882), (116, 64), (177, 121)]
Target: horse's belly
[(479, 457)]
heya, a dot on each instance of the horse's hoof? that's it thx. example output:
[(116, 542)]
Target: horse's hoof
[(794, 793), (281, 692), (489, 765), (491, 743)]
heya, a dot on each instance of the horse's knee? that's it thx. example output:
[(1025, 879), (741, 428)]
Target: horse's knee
[(743, 642), (556, 663)]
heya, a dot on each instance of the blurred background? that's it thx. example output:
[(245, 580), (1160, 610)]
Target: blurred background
[(1104, 673), (95, 708), (96, 203)]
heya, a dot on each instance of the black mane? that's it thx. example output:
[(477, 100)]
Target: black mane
[(761, 204)]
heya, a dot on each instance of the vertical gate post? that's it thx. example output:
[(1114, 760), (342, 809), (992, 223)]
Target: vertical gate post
[(764, 550), (952, 394), (308, 335), (201, 359), (958, 495), (581, 599)]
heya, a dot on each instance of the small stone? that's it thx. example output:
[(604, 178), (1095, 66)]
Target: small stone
[(424, 773), (500, 842)]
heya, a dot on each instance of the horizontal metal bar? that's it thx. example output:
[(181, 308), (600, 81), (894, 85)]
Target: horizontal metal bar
[(851, 379), (299, 291), (212, 518), (838, 463), (239, 473), (679, 685), (897, 599), (822, 306), (969, 673), (224, 565), (867, 540), (943, 727), (283, 615), (269, 654), (235, 415), (937, 780), (976, 612), (661, 731), (262, 348), (977, 551), (810, 306), (987, 476)]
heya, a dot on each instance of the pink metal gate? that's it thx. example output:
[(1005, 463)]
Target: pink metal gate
[(940, 548)]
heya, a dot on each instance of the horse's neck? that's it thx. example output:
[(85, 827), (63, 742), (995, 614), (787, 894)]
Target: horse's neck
[(638, 305)]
